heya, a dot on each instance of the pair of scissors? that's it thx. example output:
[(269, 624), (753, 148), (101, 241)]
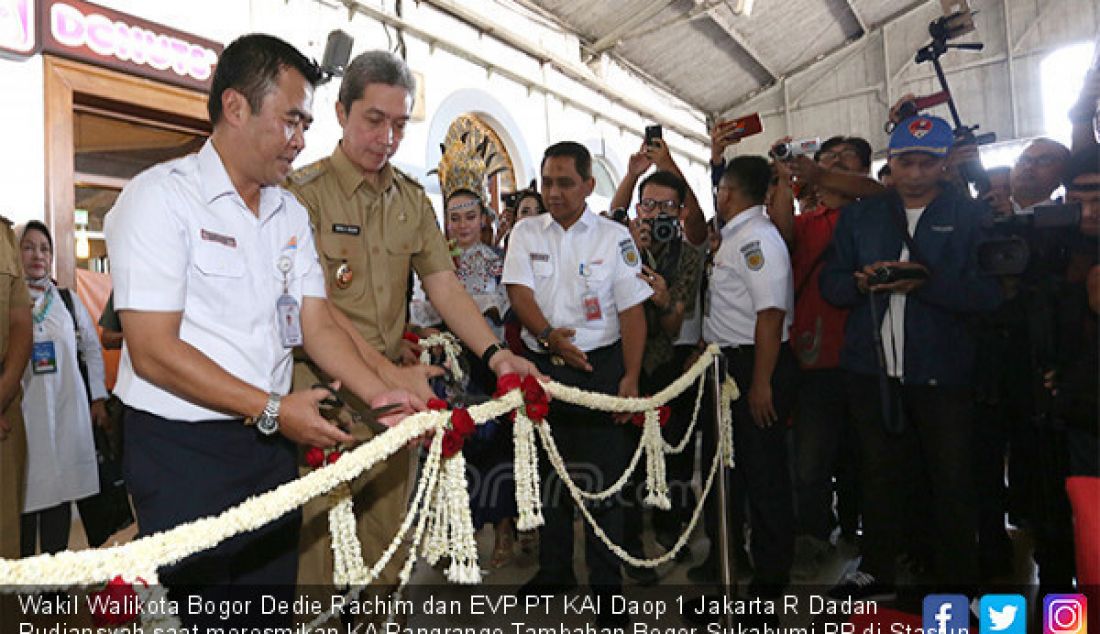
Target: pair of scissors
[(370, 418)]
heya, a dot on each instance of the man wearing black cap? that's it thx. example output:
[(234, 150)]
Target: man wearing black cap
[(904, 263)]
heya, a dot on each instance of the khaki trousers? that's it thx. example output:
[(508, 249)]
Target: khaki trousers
[(13, 474), (381, 499)]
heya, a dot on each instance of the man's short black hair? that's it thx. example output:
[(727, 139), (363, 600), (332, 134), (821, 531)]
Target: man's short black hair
[(665, 178), (860, 145), (251, 65), (1081, 163), (751, 174), (884, 171), (582, 160)]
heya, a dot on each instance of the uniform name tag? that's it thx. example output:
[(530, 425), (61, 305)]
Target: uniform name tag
[(210, 236), (540, 257), (348, 230), (290, 323), (44, 358)]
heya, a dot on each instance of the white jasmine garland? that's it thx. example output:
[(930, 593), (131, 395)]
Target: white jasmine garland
[(347, 552), (528, 494), (452, 351), (142, 557), (655, 481)]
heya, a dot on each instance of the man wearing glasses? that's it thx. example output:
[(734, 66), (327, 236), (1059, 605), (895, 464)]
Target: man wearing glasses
[(672, 269), (823, 439)]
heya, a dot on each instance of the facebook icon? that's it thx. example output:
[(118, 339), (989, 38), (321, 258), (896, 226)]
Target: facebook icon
[(946, 614)]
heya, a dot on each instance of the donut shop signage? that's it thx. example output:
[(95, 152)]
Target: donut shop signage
[(90, 33)]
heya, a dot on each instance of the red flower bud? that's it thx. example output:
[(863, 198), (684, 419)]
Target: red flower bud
[(537, 411), (462, 422), (532, 390), (315, 457), (118, 606), (506, 383), (452, 443), (411, 337), (638, 419), (334, 456), (663, 412), (437, 404)]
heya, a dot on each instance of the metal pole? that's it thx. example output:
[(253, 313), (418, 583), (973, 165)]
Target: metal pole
[(725, 561)]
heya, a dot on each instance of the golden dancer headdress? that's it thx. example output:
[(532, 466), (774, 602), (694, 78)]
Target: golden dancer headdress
[(468, 161)]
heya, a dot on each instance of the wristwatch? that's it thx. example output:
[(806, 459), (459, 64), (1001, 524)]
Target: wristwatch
[(491, 351), (543, 338), (268, 422)]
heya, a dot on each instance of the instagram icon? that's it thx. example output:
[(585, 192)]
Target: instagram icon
[(1065, 614)]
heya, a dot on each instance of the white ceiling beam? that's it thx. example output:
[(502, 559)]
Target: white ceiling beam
[(856, 15), (829, 57), (613, 37), (723, 21), (569, 68)]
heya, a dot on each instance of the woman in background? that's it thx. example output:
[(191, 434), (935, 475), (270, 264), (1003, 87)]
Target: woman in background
[(59, 407)]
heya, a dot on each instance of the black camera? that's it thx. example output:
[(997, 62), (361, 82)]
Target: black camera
[(664, 228), (620, 215), (891, 274), (1031, 244), (509, 199)]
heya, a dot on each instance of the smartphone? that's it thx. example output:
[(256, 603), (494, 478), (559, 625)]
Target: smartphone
[(745, 126), (652, 132)]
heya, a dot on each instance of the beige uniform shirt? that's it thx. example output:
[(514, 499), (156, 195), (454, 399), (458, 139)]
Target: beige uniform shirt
[(375, 234), (13, 288)]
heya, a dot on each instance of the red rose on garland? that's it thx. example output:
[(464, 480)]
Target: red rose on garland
[(411, 337), (452, 443), (506, 383), (315, 457), (118, 606), (334, 456), (462, 422), (532, 390), (437, 404), (663, 413), (537, 411)]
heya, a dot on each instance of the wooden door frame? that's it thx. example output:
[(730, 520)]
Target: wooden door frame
[(65, 82)]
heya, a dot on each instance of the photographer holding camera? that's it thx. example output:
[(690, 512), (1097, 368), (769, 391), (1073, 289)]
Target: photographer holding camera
[(672, 268), (904, 264), (824, 440), (1072, 380)]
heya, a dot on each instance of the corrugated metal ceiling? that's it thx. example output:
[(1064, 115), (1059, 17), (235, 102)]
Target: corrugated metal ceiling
[(708, 55)]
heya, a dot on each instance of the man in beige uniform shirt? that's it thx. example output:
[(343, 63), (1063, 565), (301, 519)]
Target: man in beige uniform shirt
[(15, 350), (371, 223)]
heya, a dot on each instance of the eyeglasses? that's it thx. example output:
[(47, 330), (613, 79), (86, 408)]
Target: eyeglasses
[(830, 155), (1043, 160), (667, 206)]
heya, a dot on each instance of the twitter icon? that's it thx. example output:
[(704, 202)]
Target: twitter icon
[(1003, 614)]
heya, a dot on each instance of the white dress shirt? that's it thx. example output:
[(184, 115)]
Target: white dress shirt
[(595, 255), (181, 239), (752, 272)]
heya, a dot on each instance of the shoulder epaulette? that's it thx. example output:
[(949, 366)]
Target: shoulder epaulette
[(308, 173), (408, 179)]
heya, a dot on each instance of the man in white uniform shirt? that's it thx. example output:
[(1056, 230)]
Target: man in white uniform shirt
[(573, 280), (216, 279), (748, 314)]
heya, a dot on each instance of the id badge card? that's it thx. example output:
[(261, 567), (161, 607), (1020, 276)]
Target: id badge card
[(290, 323), (591, 303), (44, 358)]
